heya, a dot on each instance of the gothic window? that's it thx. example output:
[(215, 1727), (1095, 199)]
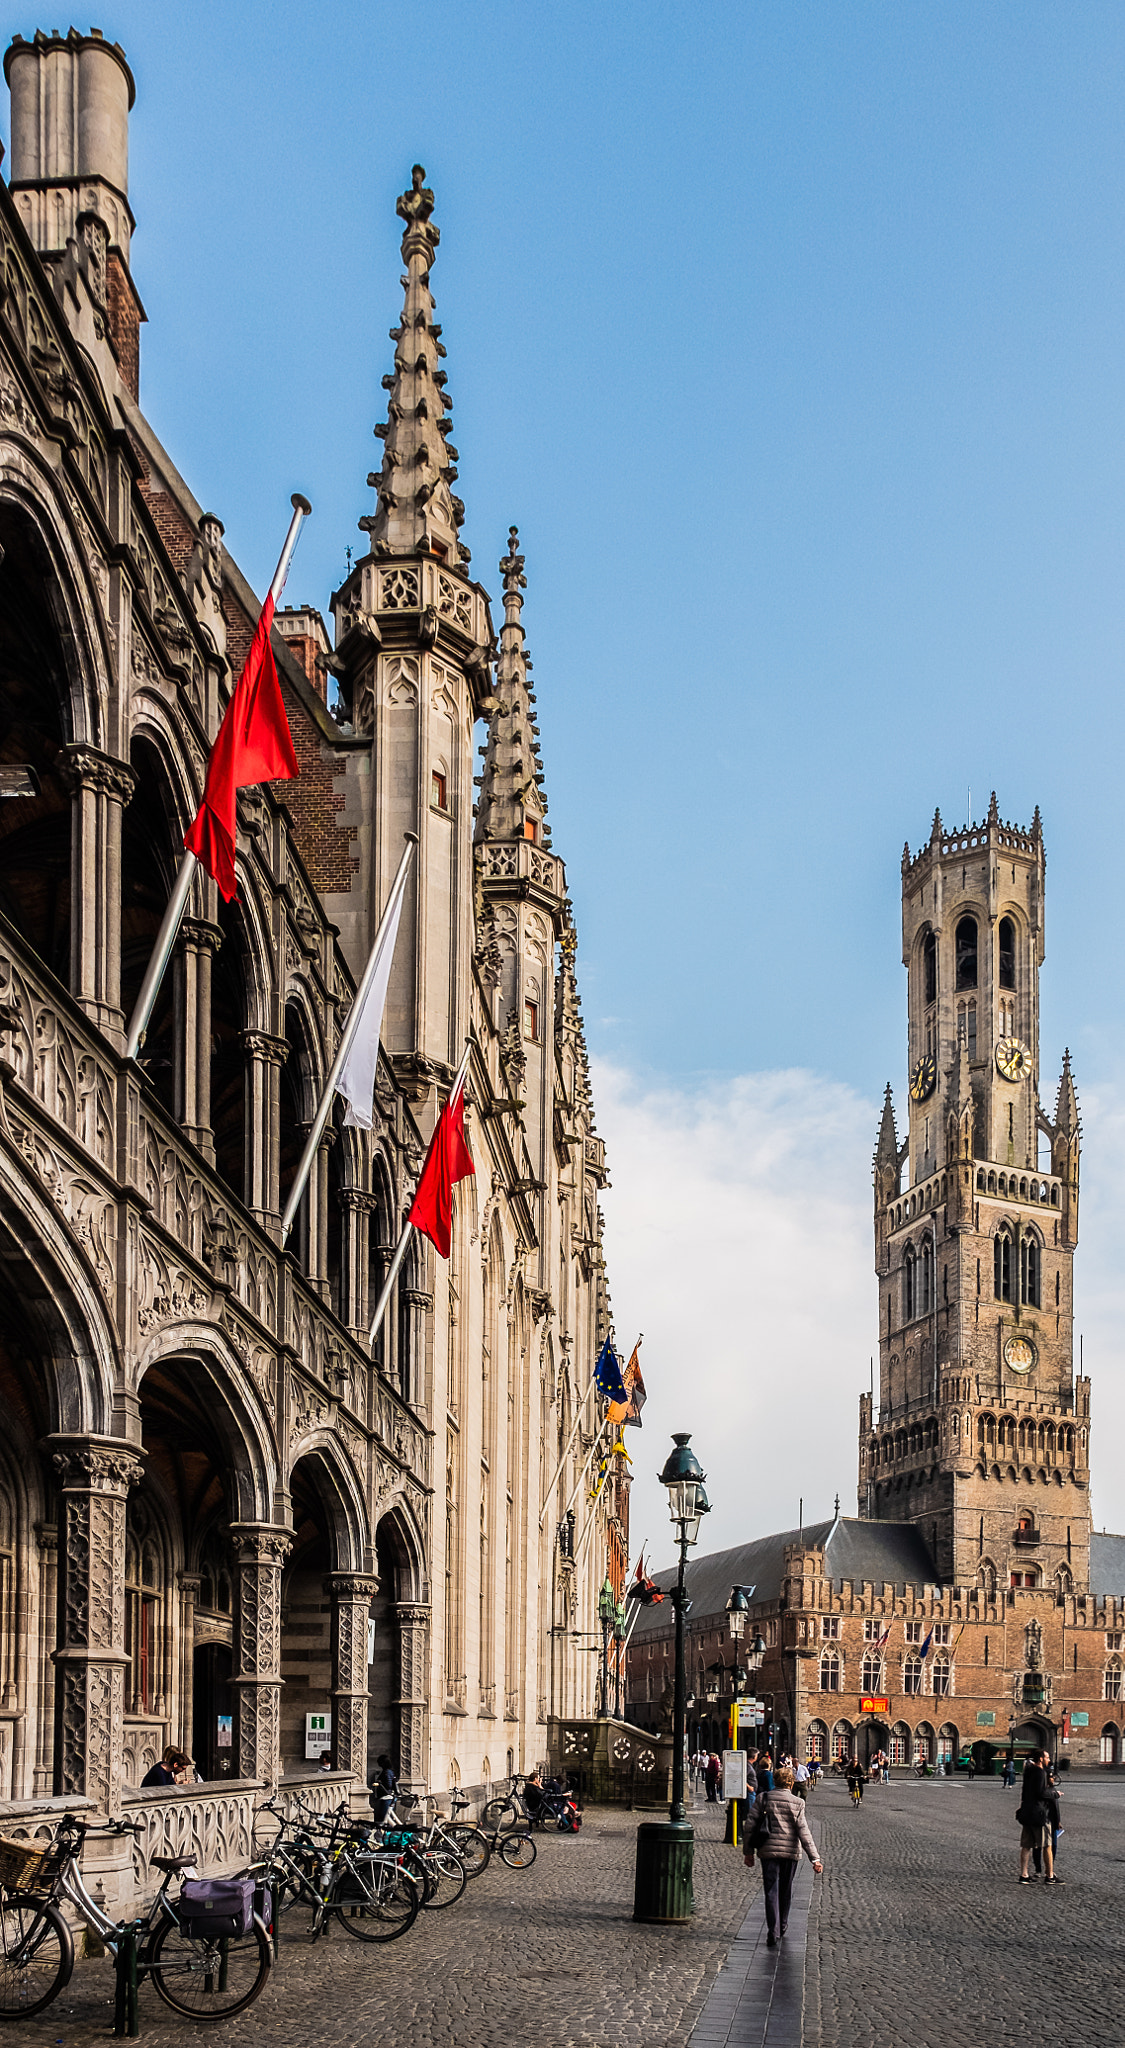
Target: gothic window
[(912, 1674), (817, 1742), (900, 1744), (531, 1019), (986, 1577), (1112, 1680), (1030, 1273), (965, 952), (929, 968), (1007, 953), (214, 1595), (842, 1743), (830, 1672), (1108, 1746), (967, 1027), (1029, 1578), (144, 1603), (926, 1290), (438, 787), (1002, 1266), (942, 1675), (871, 1672), (909, 1281)]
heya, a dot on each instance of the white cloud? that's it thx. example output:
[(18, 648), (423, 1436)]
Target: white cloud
[(739, 1239)]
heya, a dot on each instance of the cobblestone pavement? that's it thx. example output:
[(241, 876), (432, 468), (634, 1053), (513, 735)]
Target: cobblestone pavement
[(921, 1936), (549, 1956)]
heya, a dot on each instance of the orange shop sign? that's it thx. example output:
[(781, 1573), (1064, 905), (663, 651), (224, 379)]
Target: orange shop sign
[(869, 1704)]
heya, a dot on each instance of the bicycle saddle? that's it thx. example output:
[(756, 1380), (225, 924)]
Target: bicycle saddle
[(174, 1862)]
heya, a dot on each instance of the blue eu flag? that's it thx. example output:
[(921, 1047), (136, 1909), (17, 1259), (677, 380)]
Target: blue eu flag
[(607, 1375)]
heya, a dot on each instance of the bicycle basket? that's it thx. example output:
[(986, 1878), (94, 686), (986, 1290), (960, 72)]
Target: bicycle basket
[(211, 1906), (23, 1864)]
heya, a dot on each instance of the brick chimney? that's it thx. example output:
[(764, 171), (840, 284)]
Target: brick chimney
[(69, 174), (306, 636)]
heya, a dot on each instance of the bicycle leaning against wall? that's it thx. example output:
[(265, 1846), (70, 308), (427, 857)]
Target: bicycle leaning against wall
[(207, 1964)]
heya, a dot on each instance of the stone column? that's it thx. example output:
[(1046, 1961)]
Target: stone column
[(351, 1604), (261, 1549), (266, 1057), (184, 1719), (354, 1306), (94, 1476), (414, 1306), (42, 1785), (198, 942), (100, 787), (414, 1692)]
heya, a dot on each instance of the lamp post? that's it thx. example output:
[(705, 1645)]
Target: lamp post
[(738, 1608), (607, 1608), (665, 1849), (620, 1632)]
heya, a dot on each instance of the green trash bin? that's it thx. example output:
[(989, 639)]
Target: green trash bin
[(665, 1851)]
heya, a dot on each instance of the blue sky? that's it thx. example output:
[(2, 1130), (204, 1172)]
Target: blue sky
[(791, 336)]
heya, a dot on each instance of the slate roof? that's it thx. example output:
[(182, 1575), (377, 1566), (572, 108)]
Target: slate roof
[(1107, 1565), (881, 1552)]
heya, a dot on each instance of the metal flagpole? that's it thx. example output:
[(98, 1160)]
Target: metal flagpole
[(570, 1443), (569, 1447), (348, 1033), (173, 916), (586, 1467), (404, 1240)]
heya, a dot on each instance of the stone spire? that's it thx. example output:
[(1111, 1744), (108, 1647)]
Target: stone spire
[(1067, 1121), (512, 782), (416, 512), (886, 1146)]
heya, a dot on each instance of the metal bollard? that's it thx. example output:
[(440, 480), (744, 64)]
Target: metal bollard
[(126, 2022)]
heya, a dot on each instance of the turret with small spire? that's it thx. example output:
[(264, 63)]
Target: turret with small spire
[(413, 648)]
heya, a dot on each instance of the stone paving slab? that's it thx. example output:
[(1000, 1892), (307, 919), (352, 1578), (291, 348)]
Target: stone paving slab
[(550, 1956), (921, 1936)]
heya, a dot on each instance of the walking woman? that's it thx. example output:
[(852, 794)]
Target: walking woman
[(777, 1824)]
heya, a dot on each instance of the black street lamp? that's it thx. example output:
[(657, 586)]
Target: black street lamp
[(666, 1849), (607, 1608)]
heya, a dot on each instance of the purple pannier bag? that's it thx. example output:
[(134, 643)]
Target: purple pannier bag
[(212, 1906)]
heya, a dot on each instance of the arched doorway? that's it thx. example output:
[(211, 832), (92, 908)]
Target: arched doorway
[(1030, 1736), (871, 1737), (399, 1674)]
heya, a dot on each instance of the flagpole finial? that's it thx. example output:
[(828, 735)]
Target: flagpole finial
[(301, 504), (411, 838)]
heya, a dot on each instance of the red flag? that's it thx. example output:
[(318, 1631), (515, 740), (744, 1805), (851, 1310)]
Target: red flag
[(253, 744), (447, 1162)]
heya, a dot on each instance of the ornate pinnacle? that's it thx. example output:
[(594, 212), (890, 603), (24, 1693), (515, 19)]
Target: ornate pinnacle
[(937, 828), (993, 811), (415, 208)]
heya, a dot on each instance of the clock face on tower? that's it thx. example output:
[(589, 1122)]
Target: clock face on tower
[(923, 1079), (1013, 1059)]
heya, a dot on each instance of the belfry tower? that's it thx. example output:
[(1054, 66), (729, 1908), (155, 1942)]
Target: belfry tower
[(982, 1431)]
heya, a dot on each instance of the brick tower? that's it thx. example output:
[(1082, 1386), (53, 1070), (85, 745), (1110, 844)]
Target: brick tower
[(982, 1433)]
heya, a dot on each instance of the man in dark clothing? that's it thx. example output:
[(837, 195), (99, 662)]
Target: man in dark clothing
[(1033, 1815), (383, 1787), (168, 1770)]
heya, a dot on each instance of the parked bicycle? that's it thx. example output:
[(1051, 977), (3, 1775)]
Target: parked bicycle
[(328, 1863), (471, 1843), (204, 1972)]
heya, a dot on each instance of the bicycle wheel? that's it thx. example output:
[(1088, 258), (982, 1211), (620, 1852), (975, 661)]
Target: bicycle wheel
[(208, 1979), (36, 1955), (519, 1851), (375, 1901), (496, 1811), (451, 1875), (474, 1849)]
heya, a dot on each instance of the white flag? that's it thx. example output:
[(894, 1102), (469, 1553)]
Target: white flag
[(356, 1080)]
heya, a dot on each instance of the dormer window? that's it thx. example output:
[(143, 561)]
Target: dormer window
[(438, 791), (531, 829)]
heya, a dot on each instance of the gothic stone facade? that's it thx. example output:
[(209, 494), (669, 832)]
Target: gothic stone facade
[(979, 1449), (219, 1513)]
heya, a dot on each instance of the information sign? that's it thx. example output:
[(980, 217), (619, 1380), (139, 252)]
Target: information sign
[(318, 1734), (734, 1774)]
